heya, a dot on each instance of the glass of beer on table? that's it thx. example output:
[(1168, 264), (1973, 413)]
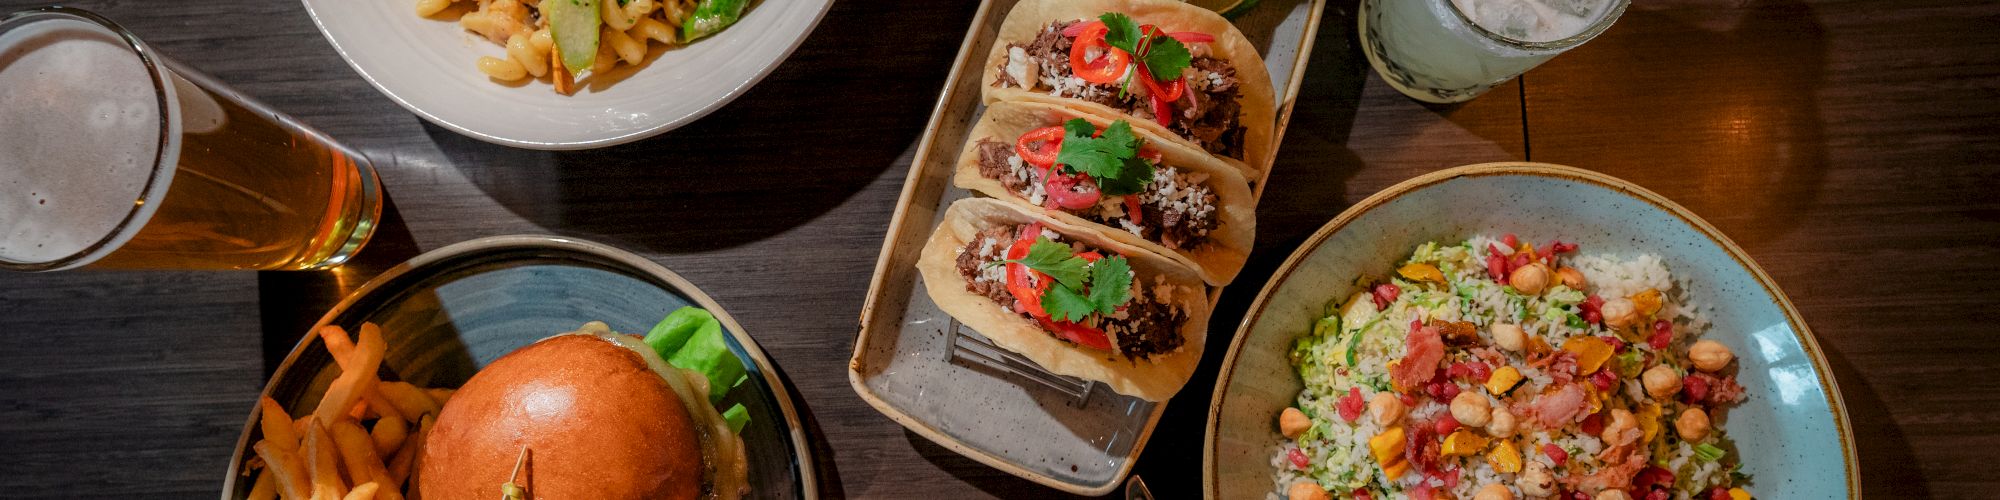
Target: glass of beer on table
[(1449, 51), (114, 156)]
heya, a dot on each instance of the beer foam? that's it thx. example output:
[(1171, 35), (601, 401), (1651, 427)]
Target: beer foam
[(1534, 20), (79, 131)]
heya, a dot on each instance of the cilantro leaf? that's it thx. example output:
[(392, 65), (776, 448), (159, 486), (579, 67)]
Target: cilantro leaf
[(1120, 31), (1064, 304), (1166, 58), (1057, 261), (1111, 159), (1110, 283)]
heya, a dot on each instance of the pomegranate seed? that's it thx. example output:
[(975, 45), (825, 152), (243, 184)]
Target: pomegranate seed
[(1593, 424), (1385, 294), (1350, 406), (1603, 379), (1555, 453), (1663, 335), (1511, 241), (1298, 459), (1446, 425)]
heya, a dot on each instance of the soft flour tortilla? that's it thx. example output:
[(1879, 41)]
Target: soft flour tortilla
[(1259, 104), (1218, 259), (1154, 379)]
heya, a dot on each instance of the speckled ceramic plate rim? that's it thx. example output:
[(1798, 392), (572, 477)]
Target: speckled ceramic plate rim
[(662, 127), (1803, 334), (802, 455)]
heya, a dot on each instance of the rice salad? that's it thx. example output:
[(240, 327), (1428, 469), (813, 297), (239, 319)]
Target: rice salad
[(1493, 370)]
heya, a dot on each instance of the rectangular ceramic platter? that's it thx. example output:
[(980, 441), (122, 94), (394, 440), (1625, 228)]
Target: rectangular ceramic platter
[(903, 362)]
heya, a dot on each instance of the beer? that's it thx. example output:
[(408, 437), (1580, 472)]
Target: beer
[(1447, 51), (115, 157)]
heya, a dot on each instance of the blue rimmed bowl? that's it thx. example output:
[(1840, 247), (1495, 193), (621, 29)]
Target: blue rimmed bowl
[(450, 311), (1792, 432)]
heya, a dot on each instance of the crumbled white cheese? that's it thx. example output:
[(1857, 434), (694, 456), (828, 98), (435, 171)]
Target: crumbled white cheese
[(1020, 68)]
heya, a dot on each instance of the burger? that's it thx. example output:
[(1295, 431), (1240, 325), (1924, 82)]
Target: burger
[(587, 414)]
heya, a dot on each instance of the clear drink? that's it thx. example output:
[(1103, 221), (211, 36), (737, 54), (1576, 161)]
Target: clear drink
[(1447, 51), (114, 156)]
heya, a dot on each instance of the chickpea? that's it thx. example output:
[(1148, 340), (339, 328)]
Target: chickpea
[(1293, 422), (1502, 425), (1510, 336), (1307, 490), (1572, 278), (1493, 492), (1613, 494), (1471, 409), (1710, 356), (1530, 279), (1535, 481), (1386, 408), (1661, 381), (1617, 431), (1619, 312), (1692, 424)]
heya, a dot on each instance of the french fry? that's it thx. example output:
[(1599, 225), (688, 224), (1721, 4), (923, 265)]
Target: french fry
[(292, 481), (408, 399), (338, 345), (277, 425), (389, 434), (441, 395), (324, 492), (380, 405), (322, 462), (406, 458), (358, 451), (356, 379), (364, 491), (265, 488)]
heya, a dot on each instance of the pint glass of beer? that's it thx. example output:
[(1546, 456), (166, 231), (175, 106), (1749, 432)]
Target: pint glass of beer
[(114, 156)]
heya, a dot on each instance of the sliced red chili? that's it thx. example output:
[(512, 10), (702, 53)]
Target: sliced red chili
[(1039, 147), (1082, 335), (1072, 192), (1110, 64), (1169, 91), (1026, 284), (1192, 37), (1132, 210)]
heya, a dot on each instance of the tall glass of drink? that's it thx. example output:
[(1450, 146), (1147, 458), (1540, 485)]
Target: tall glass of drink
[(1447, 51), (114, 156)]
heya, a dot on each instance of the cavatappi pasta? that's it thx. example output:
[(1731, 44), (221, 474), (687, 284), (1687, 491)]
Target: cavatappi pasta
[(624, 35)]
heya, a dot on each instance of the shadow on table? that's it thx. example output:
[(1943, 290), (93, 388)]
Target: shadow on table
[(1879, 442), (289, 302), (819, 129)]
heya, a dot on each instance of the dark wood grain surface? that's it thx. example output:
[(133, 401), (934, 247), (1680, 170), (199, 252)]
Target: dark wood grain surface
[(1848, 146)]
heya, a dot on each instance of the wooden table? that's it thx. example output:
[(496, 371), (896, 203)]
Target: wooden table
[(1848, 146)]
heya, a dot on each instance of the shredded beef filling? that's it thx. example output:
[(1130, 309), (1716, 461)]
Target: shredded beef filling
[(1177, 211), (1149, 328), (1207, 114), (973, 263), (1142, 328)]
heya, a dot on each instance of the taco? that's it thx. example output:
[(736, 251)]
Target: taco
[(1066, 298), (1176, 202), (1141, 60)]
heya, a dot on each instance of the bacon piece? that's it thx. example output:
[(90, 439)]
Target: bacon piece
[(1562, 406), (1423, 350), (1560, 365), (1622, 463), (1702, 388)]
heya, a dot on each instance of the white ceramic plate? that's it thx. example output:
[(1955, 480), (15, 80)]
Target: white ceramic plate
[(426, 65)]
